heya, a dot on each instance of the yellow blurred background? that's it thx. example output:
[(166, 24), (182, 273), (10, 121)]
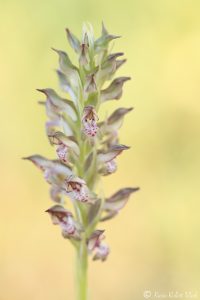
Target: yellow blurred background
[(154, 241)]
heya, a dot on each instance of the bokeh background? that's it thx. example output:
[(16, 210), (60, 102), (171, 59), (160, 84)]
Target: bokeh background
[(154, 241)]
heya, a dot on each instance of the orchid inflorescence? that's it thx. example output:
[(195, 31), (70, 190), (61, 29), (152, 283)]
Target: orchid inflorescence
[(86, 147)]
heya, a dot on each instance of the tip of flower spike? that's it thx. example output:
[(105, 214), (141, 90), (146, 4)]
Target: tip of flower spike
[(105, 33)]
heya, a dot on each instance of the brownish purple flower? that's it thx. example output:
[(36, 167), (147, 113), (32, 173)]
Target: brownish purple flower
[(106, 160), (64, 218), (76, 189), (102, 252), (62, 152), (95, 244), (95, 239), (54, 173), (89, 121), (66, 147)]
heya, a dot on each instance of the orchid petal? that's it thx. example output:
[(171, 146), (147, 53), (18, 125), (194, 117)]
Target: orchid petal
[(56, 104), (64, 218), (101, 252), (116, 202), (65, 63), (66, 85), (38, 160), (95, 239), (73, 41), (108, 68), (102, 43), (114, 90), (58, 138), (111, 153), (118, 114), (94, 211), (54, 171)]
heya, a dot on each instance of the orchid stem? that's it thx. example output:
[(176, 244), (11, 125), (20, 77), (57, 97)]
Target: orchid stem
[(81, 271), (82, 252)]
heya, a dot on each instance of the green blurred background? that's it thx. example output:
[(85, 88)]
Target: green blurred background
[(154, 241)]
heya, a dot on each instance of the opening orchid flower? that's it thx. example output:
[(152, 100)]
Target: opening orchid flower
[(62, 152), (89, 121), (66, 146), (107, 163), (86, 148), (62, 217), (111, 167), (95, 244), (101, 252), (76, 189)]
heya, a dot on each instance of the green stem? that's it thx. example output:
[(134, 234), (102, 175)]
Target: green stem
[(82, 252), (81, 271)]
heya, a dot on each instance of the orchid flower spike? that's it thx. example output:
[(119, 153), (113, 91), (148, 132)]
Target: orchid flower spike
[(85, 145)]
